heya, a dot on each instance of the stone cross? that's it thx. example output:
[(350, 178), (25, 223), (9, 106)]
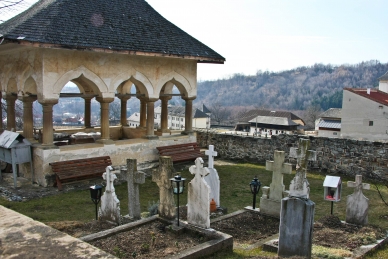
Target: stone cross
[(198, 206), (211, 153), (198, 170), (357, 205), (279, 168), (110, 204), (299, 186), (162, 177), (134, 179), (109, 177)]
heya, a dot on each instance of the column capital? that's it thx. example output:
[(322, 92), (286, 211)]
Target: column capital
[(48, 102), (28, 98), (189, 98), (151, 100), (10, 96), (104, 100), (124, 97), (165, 98)]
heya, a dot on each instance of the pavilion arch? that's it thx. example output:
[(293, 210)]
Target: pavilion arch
[(142, 83), (88, 81), (30, 86), (26, 75), (178, 80), (11, 86)]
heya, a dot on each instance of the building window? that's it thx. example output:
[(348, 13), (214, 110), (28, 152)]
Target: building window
[(334, 133), (370, 123), (181, 119), (380, 107)]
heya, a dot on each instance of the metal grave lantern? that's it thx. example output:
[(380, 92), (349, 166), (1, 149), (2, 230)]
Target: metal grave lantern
[(178, 185), (255, 187), (95, 194), (332, 189)]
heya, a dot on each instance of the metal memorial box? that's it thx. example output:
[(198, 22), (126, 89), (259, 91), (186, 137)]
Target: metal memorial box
[(332, 188), (15, 149)]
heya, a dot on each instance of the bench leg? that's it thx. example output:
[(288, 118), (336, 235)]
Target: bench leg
[(59, 184)]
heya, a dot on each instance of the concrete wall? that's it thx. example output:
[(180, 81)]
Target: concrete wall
[(143, 150), (334, 156), (357, 112), (329, 133)]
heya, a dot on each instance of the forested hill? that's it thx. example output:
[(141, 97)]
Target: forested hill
[(295, 89)]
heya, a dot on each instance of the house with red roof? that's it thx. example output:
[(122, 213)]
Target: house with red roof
[(365, 112)]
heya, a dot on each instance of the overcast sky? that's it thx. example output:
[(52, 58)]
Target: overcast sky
[(279, 35)]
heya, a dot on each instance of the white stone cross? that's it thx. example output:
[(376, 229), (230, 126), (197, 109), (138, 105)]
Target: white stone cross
[(211, 154), (279, 168), (198, 168), (299, 186), (110, 178), (358, 185)]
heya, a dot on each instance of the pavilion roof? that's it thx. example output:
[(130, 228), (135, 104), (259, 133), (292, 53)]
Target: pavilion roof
[(125, 26)]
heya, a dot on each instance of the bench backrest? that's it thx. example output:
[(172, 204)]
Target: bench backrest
[(97, 164)]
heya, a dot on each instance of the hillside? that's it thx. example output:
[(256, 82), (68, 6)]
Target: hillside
[(292, 90)]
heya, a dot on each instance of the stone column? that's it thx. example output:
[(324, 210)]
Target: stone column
[(88, 113), (28, 121), (188, 116), (1, 113), (150, 119), (11, 118), (123, 107), (164, 115), (48, 130), (104, 102), (143, 113)]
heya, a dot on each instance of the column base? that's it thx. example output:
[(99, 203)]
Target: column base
[(164, 130), (105, 141), (151, 137)]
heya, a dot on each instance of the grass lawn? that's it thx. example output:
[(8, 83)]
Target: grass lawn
[(235, 195)]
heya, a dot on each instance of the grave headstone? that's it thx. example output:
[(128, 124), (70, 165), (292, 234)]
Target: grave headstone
[(357, 205), (198, 207), (270, 201), (134, 178), (212, 178), (297, 211), (299, 186), (110, 204), (162, 176)]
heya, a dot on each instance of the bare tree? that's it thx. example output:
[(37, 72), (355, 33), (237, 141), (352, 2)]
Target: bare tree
[(10, 8), (219, 113), (311, 114)]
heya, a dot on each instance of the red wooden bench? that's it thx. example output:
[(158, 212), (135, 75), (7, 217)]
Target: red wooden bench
[(79, 169), (181, 152)]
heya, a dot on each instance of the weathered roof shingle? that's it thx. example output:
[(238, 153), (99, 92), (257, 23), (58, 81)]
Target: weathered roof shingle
[(117, 25)]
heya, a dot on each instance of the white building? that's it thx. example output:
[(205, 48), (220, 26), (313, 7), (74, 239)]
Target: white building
[(365, 112), (329, 123)]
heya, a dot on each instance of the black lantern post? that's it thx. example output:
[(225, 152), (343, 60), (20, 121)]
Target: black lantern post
[(255, 187), (95, 194), (178, 185)]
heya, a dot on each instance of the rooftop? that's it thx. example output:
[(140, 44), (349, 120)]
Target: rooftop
[(124, 26), (375, 95)]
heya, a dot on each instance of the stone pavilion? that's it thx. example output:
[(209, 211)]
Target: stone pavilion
[(104, 47)]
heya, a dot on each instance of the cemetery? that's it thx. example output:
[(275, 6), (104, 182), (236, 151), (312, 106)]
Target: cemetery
[(339, 220)]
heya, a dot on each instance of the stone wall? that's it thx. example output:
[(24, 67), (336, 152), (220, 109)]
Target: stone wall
[(334, 155)]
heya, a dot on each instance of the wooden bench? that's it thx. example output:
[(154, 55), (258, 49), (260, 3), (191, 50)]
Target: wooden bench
[(79, 169), (181, 152)]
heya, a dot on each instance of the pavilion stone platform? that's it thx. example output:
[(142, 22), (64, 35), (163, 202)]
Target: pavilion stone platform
[(142, 149), (23, 237)]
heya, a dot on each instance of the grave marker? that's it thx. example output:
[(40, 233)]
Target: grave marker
[(110, 204), (212, 178), (134, 179), (299, 186), (297, 210), (198, 210), (162, 177), (272, 195), (357, 205)]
